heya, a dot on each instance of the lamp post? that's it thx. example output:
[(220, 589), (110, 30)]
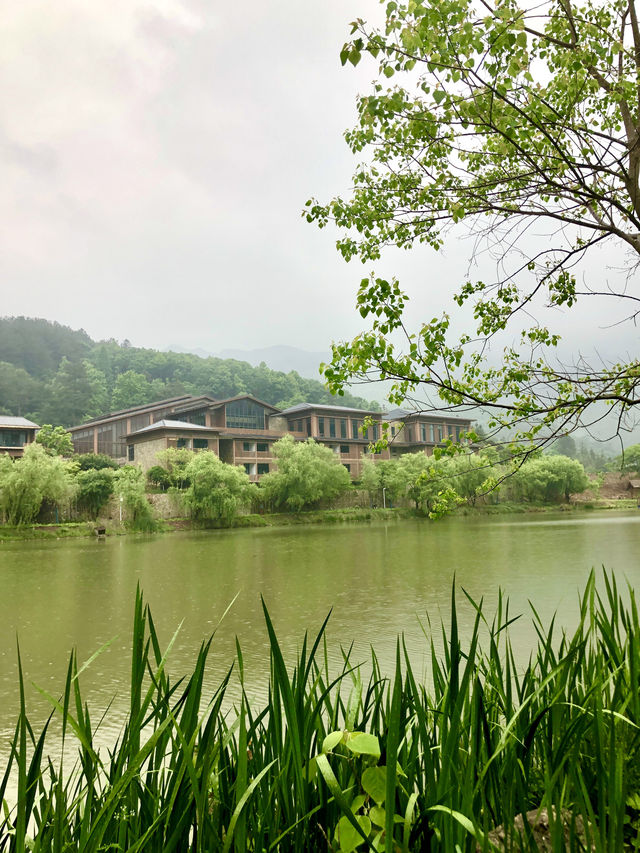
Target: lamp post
[(384, 499)]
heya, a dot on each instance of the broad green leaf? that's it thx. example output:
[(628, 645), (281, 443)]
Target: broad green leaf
[(364, 744), (347, 836), (332, 740), (374, 781), (378, 816)]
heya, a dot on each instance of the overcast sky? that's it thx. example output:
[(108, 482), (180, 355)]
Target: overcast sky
[(155, 160)]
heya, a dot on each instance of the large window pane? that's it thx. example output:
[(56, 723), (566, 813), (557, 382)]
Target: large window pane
[(244, 414)]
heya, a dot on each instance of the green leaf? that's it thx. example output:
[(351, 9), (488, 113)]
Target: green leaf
[(332, 740), (364, 744), (374, 780), (377, 815), (347, 836)]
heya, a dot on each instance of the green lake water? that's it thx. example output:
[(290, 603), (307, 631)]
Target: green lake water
[(379, 579)]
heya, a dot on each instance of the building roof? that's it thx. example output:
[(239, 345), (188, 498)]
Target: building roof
[(147, 407), (184, 403), (249, 397), (11, 421), (305, 407), (437, 417), (167, 424)]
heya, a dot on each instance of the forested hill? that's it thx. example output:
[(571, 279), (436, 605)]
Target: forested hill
[(53, 374)]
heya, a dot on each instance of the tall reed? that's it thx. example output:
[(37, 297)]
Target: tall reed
[(338, 761)]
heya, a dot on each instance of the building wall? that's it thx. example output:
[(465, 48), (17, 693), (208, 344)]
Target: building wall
[(145, 453)]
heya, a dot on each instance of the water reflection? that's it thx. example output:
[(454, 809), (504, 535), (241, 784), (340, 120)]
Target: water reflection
[(379, 579)]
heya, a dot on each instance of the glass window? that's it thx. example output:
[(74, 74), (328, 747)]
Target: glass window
[(423, 432), (12, 438), (432, 432), (262, 447), (130, 452), (247, 446), (320, 426), (247, 467), (244, 414), (332, 427), (344, 448), (343, 428), (308, 426), (263, 468), (439, 433), (409, 434), (140, 421), (105, 440), (393, 431), (200, 443), (299, 426), (183, 442), (374, 429), (354, 429), (348, 467)]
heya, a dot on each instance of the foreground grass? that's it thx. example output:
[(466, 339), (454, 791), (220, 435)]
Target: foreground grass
[(336, 762)]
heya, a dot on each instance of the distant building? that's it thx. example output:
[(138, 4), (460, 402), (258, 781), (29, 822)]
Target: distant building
[(15, 434), (410, 432), (242, 430)]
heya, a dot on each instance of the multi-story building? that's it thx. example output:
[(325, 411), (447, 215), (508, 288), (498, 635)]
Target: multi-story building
[(237, 429), (15, 434), (409, 432), (243, 429), (337, 427)]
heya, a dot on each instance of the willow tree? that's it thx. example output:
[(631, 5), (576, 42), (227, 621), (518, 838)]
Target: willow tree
[(508, 118)]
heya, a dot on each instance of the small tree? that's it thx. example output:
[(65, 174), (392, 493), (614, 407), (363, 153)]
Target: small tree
[(549, 479), (129, 487), (216, 491), (26, 483), (94, 461), (307, 474), (56, 440), (370, 479), (160, 477), (95, 487), (176, 460)]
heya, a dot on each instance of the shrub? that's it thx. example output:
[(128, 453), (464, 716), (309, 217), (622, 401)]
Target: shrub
[(216, 490), (307, 474), (129, 486), (95, 487), (30, 481), (96, 461), (159, 476)]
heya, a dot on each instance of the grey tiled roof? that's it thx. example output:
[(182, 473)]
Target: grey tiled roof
[(304, 407), (166, 424), (12, 421)]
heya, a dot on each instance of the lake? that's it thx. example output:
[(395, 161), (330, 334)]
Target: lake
[(381, 579)]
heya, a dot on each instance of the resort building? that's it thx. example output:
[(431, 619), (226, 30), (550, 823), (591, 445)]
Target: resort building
[(15, 434), (242, 430), (337, 427), (409, 432)]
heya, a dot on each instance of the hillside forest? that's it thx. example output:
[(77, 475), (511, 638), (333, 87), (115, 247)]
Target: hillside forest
[(50, 373)]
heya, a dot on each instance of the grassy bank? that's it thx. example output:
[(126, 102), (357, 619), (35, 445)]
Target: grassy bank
[(351, 515), (513, 507), (491, 756), (68, 530)]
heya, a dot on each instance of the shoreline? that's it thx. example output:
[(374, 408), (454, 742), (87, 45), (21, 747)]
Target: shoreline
[(356, 515)]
